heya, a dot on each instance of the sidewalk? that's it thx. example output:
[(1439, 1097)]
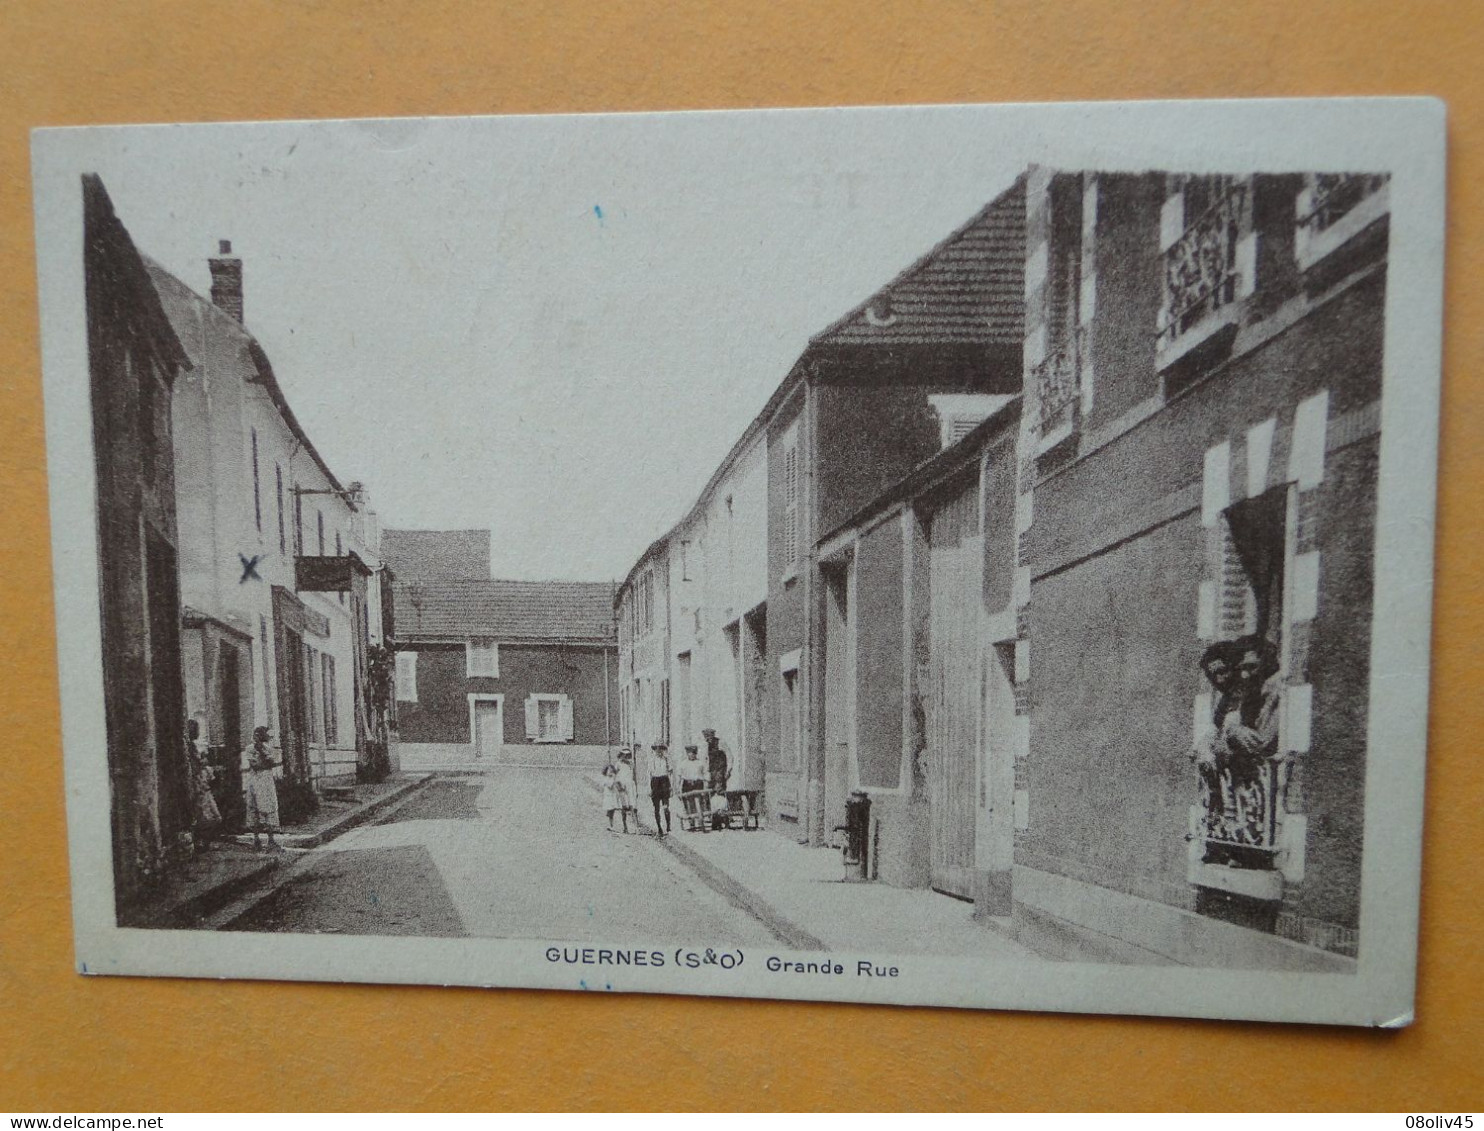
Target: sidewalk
[(801, 894), (337, 813), (216, 876)]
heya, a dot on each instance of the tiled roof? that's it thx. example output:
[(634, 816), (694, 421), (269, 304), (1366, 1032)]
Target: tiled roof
[(437, 555), (580, 611), (969, 289)]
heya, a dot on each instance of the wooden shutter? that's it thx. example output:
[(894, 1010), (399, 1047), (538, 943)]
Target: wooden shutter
[(532, 723), (564, 719), (332, 718)]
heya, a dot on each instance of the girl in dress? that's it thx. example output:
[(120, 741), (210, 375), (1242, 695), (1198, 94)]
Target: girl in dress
[(612, 801), (627, 786), (208, 817), (260, 789)]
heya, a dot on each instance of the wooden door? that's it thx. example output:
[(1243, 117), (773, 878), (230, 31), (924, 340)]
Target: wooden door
[(955, 579), (839, 718), (489, 729)]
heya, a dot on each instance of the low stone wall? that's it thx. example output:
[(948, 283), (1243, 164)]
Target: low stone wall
[(416, 757)]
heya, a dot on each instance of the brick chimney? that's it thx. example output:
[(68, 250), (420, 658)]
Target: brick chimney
[(226, 280)]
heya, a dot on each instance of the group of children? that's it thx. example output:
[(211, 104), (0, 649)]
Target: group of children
[(621, 782)]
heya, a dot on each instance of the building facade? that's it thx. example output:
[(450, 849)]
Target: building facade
[(505, 672), (760, 626), (279, 573), (919, 663), (134, 360), (1117, 424), (1213, 346)]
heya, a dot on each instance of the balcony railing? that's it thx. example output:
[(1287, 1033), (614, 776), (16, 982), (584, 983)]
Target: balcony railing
[(1241, 814), (1058, 383), (1333, 196), (1202, 267)]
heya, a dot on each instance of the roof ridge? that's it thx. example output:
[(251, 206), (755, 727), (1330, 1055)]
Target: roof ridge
[(501, 581)]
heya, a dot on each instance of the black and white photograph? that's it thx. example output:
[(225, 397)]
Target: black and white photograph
[(972, 556)]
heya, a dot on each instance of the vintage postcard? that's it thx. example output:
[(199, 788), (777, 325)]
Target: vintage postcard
[(969, 556)]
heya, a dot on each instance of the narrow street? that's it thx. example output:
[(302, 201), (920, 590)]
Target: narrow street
[(512, 853)]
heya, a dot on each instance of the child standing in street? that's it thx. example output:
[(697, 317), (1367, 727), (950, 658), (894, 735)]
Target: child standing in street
[(625, 787), (660, 773), (612, 799), (261, 789)]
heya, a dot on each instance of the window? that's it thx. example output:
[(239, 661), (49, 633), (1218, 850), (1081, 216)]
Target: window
[(791, 502), (1243, 803), (664, 727), (1058, 373), (298, 522), (315, 687), (1332, 208), (1253, 549), (257, 486), (1210, 257), (320, 522), (644, 603), (482, 659), (266, 666), (682, 695), (406, 677), (685, 561), (327, 682), (548, 718), (283, 546), (340, 553), (788, 723)]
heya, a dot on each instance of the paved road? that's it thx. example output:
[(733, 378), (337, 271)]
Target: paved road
[(513, 853)]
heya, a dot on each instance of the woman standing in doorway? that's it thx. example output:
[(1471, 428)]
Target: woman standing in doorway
[(260, 789), (208, 817)]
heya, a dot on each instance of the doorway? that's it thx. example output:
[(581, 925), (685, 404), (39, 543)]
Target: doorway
[(956, 690), (839, 694), (487, 722)]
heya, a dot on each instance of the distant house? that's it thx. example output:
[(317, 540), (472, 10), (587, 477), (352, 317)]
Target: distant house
[(279, 579), (520, 672)]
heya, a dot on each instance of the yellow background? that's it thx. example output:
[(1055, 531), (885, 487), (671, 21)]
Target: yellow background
[(70, 1043)]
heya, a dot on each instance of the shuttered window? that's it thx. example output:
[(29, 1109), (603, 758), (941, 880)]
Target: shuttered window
[(257, 486), (332, 721), (482, 659), (548, 718)]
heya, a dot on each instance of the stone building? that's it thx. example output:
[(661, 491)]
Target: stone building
[(495, 672), (1203, 378), (279, 578), (134, 360), (1118, 422)]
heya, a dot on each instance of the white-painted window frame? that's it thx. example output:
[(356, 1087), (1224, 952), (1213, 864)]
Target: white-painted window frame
[(471, 648), (565, 710)]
